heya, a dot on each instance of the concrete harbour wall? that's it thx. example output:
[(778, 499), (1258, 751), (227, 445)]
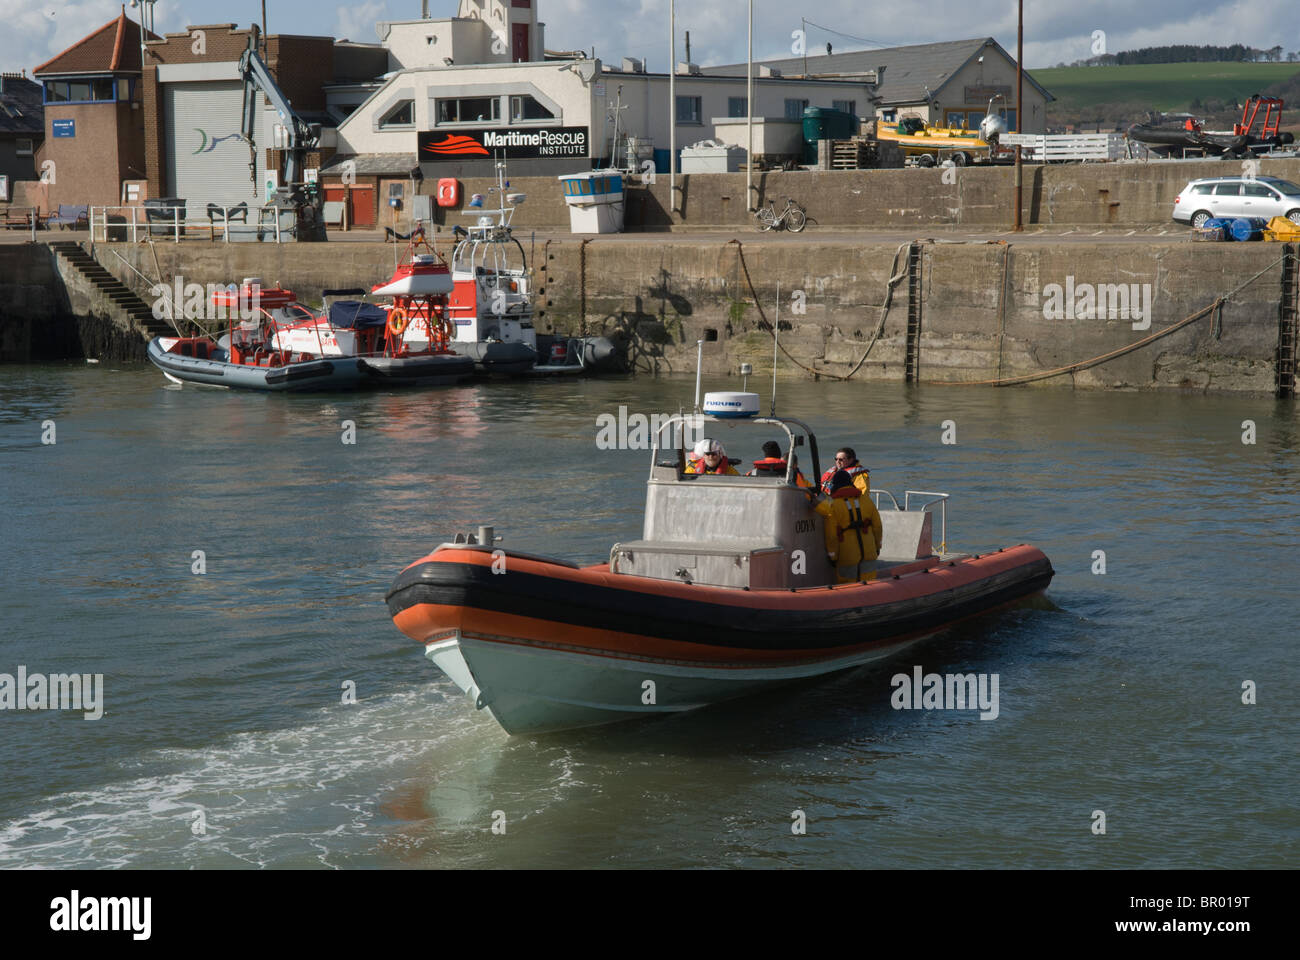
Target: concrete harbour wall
[(45, 315), (1079, 194), (982, 304)]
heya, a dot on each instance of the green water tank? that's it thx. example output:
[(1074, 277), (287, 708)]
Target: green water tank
[(823, 123)]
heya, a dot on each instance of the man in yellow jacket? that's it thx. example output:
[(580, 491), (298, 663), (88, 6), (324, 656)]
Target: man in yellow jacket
[(853, 529), (711, 458)]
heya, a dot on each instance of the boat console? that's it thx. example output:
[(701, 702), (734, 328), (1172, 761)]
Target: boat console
[(754, 533)]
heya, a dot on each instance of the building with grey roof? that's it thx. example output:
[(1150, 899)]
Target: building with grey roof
[(22, 129), (945, 84)]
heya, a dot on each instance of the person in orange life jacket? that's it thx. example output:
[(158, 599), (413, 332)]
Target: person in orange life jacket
[(773, 464), (852, 528), (712, 459), (847, 460)]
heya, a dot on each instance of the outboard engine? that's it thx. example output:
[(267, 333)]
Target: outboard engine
[(991, 129)]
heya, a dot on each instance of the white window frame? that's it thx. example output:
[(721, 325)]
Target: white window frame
[(386, 124), (489, 121), (510, 103), (18, 147)]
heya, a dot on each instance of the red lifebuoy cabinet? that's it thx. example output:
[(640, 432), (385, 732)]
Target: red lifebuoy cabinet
[(448, 192)]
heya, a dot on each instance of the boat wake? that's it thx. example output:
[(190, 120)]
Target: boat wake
[(279, 798)]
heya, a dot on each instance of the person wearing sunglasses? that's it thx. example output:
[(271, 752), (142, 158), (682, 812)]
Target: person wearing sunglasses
[(847, 460), (710, 457)]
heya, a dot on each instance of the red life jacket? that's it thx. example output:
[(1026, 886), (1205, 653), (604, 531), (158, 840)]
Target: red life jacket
[(773, 465), (776, 466), (699, 466), (852, 471)]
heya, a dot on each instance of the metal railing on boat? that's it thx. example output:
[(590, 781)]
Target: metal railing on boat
[(933, 498)]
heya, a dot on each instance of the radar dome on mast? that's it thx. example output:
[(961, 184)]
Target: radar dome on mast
[(731, 404)]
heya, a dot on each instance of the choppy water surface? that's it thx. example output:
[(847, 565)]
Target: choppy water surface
[(223, 691)]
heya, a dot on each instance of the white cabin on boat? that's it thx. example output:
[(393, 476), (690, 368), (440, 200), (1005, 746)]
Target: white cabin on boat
[(492, 294)]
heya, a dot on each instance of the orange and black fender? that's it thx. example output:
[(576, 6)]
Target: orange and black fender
[(589, 609)]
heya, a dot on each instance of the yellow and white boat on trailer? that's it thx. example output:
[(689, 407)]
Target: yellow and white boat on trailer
[(931, 145)]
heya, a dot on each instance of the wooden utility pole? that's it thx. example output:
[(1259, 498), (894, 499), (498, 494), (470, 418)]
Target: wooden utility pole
[(1017, 226)]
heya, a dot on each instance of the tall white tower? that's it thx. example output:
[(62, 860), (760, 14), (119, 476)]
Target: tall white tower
[(516, 33)]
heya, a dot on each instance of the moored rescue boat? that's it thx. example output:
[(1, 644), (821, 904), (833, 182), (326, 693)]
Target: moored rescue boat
[(283, 345), (728, 592), (491, 305), (247, 356)]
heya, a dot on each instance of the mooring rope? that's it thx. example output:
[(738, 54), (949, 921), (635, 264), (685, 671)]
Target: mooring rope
[(896, 277), (1105, 357)]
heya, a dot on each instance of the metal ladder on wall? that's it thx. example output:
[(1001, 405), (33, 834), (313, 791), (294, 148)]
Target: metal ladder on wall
[(1288, 307), (912, 357)]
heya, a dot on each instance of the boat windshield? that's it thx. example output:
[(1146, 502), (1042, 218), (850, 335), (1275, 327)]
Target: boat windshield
[(488, 249), (676, 433)]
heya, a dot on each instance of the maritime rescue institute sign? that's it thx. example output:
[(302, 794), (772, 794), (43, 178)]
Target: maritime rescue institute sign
[(514, 143)]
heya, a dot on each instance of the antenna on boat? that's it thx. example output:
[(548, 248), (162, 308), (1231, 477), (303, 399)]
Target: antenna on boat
[(699, 363), (776, 338)]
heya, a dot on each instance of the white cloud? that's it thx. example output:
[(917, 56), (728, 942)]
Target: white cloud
[(358, 22), (1054, 29), (34, 32)]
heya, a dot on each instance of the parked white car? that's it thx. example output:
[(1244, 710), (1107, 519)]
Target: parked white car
[(1265, 197)]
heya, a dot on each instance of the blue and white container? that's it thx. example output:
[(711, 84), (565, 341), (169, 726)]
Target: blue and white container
[(595, 200)]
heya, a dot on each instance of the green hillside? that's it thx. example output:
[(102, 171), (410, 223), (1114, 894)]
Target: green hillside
[(1124, 93)]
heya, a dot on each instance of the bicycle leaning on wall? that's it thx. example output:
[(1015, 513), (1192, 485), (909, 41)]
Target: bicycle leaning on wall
[(792, 218)]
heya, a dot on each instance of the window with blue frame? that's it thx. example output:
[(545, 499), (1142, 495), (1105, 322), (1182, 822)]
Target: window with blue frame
[(88, 90), (736, 107)]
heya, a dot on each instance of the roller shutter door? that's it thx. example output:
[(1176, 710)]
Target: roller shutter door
[(207, 160)]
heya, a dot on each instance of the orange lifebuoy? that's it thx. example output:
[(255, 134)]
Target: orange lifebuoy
[(397, 321), (447, 329)]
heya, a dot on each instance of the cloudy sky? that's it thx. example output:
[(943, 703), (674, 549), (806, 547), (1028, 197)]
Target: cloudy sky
[(1055, 30)]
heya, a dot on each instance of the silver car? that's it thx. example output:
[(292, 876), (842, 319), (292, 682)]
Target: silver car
[(1265, 197)]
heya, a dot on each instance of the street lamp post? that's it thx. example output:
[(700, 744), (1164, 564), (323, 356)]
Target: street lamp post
[(749, 115), (672, 108), (146, 23)]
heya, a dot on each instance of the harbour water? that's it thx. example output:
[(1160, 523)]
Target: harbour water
[(226, 740)]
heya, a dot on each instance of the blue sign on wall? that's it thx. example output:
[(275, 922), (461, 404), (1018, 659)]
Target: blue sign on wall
[(64, 128)]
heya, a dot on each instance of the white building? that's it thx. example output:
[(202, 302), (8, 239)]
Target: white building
[(476, 85)]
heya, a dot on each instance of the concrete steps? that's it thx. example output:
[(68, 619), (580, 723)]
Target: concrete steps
[(125, 306)]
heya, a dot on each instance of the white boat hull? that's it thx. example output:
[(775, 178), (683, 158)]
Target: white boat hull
[(530, 689), (417, 285)]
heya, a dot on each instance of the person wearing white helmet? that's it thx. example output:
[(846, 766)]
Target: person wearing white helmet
[(711, 457)]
